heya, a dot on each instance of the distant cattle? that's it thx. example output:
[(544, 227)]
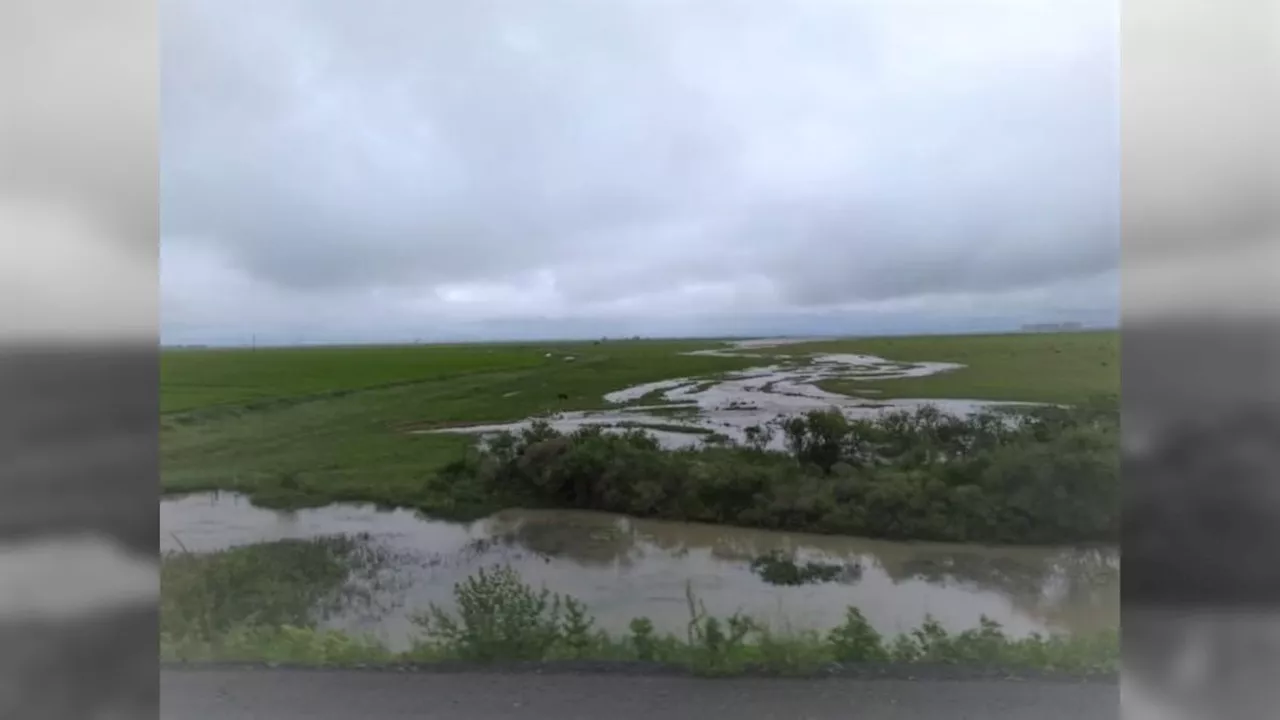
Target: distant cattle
[(562, 396)]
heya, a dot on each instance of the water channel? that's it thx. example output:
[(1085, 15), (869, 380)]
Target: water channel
[(623, 568)]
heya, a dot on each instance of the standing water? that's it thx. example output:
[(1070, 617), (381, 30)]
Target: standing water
[(679, 411), (624, 568)]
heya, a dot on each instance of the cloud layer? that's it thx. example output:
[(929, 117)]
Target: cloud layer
[(329, 167)]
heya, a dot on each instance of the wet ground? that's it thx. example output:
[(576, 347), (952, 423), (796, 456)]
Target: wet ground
[(680, 412), (623, 568)]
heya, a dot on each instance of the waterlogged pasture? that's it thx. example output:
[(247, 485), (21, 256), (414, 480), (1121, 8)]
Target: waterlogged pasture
[(701, 447), (309, 426)]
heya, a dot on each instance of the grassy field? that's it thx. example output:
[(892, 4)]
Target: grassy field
[(302, 426), (1053, 367), (194, 379), (292, 425)]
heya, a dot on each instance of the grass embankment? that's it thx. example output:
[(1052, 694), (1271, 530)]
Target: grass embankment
[(258, 604), (313, 426)]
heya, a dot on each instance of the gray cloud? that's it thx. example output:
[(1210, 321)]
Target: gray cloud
[(498, 159), (78, 176)]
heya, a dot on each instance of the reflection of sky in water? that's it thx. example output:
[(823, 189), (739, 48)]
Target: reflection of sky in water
[(624, 568)]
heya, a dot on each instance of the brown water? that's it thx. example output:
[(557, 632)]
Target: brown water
[(624, 568)]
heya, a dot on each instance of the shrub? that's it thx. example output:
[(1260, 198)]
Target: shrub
[(856, 641), (1042, 476), (498, 617)]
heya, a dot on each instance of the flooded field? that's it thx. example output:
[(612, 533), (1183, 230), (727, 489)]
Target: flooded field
[(681, 411), (623, 568)]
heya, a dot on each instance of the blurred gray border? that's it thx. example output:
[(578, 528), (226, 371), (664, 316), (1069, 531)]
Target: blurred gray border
[(79, 393), (1200, 342)]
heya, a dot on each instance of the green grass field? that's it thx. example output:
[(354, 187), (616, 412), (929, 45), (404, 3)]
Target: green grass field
[(300, 426), (1054, 368), (197, 379), (327, 423)]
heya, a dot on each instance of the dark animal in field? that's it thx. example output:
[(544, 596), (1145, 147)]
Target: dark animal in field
[(562, 396)]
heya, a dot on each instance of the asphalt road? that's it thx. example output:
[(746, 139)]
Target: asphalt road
[(380, 695)]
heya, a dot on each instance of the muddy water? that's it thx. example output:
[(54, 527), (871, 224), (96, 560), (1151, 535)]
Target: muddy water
[(624, 568), (728, 404)]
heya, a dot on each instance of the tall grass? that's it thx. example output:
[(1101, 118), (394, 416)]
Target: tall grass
[(224, 600)]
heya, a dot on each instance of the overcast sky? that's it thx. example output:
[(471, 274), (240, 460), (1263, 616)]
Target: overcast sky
[(389, 170)]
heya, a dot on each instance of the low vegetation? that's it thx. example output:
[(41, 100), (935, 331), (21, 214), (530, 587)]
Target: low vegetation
[(499, 618), (287, 583), (209, 382), (1044, 476)]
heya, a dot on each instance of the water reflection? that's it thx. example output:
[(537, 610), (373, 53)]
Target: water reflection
[(624, 568)]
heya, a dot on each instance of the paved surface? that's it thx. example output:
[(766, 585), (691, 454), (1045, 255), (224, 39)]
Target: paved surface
[(342, 695)]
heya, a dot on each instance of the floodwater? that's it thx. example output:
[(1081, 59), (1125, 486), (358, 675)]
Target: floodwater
[(685, 410), (623, 568)]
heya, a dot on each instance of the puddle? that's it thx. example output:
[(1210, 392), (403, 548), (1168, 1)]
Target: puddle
[(735, 401), (623, 568)]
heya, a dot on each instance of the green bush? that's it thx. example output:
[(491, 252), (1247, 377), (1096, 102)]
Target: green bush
[(856, 641), (1043, 476), (498, 617)]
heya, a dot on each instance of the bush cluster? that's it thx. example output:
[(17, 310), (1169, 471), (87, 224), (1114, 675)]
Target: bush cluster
[(1049, 475)]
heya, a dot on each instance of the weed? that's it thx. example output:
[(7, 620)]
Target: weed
[(498, 617), (855, 640), (642, 639), (244, 594)]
